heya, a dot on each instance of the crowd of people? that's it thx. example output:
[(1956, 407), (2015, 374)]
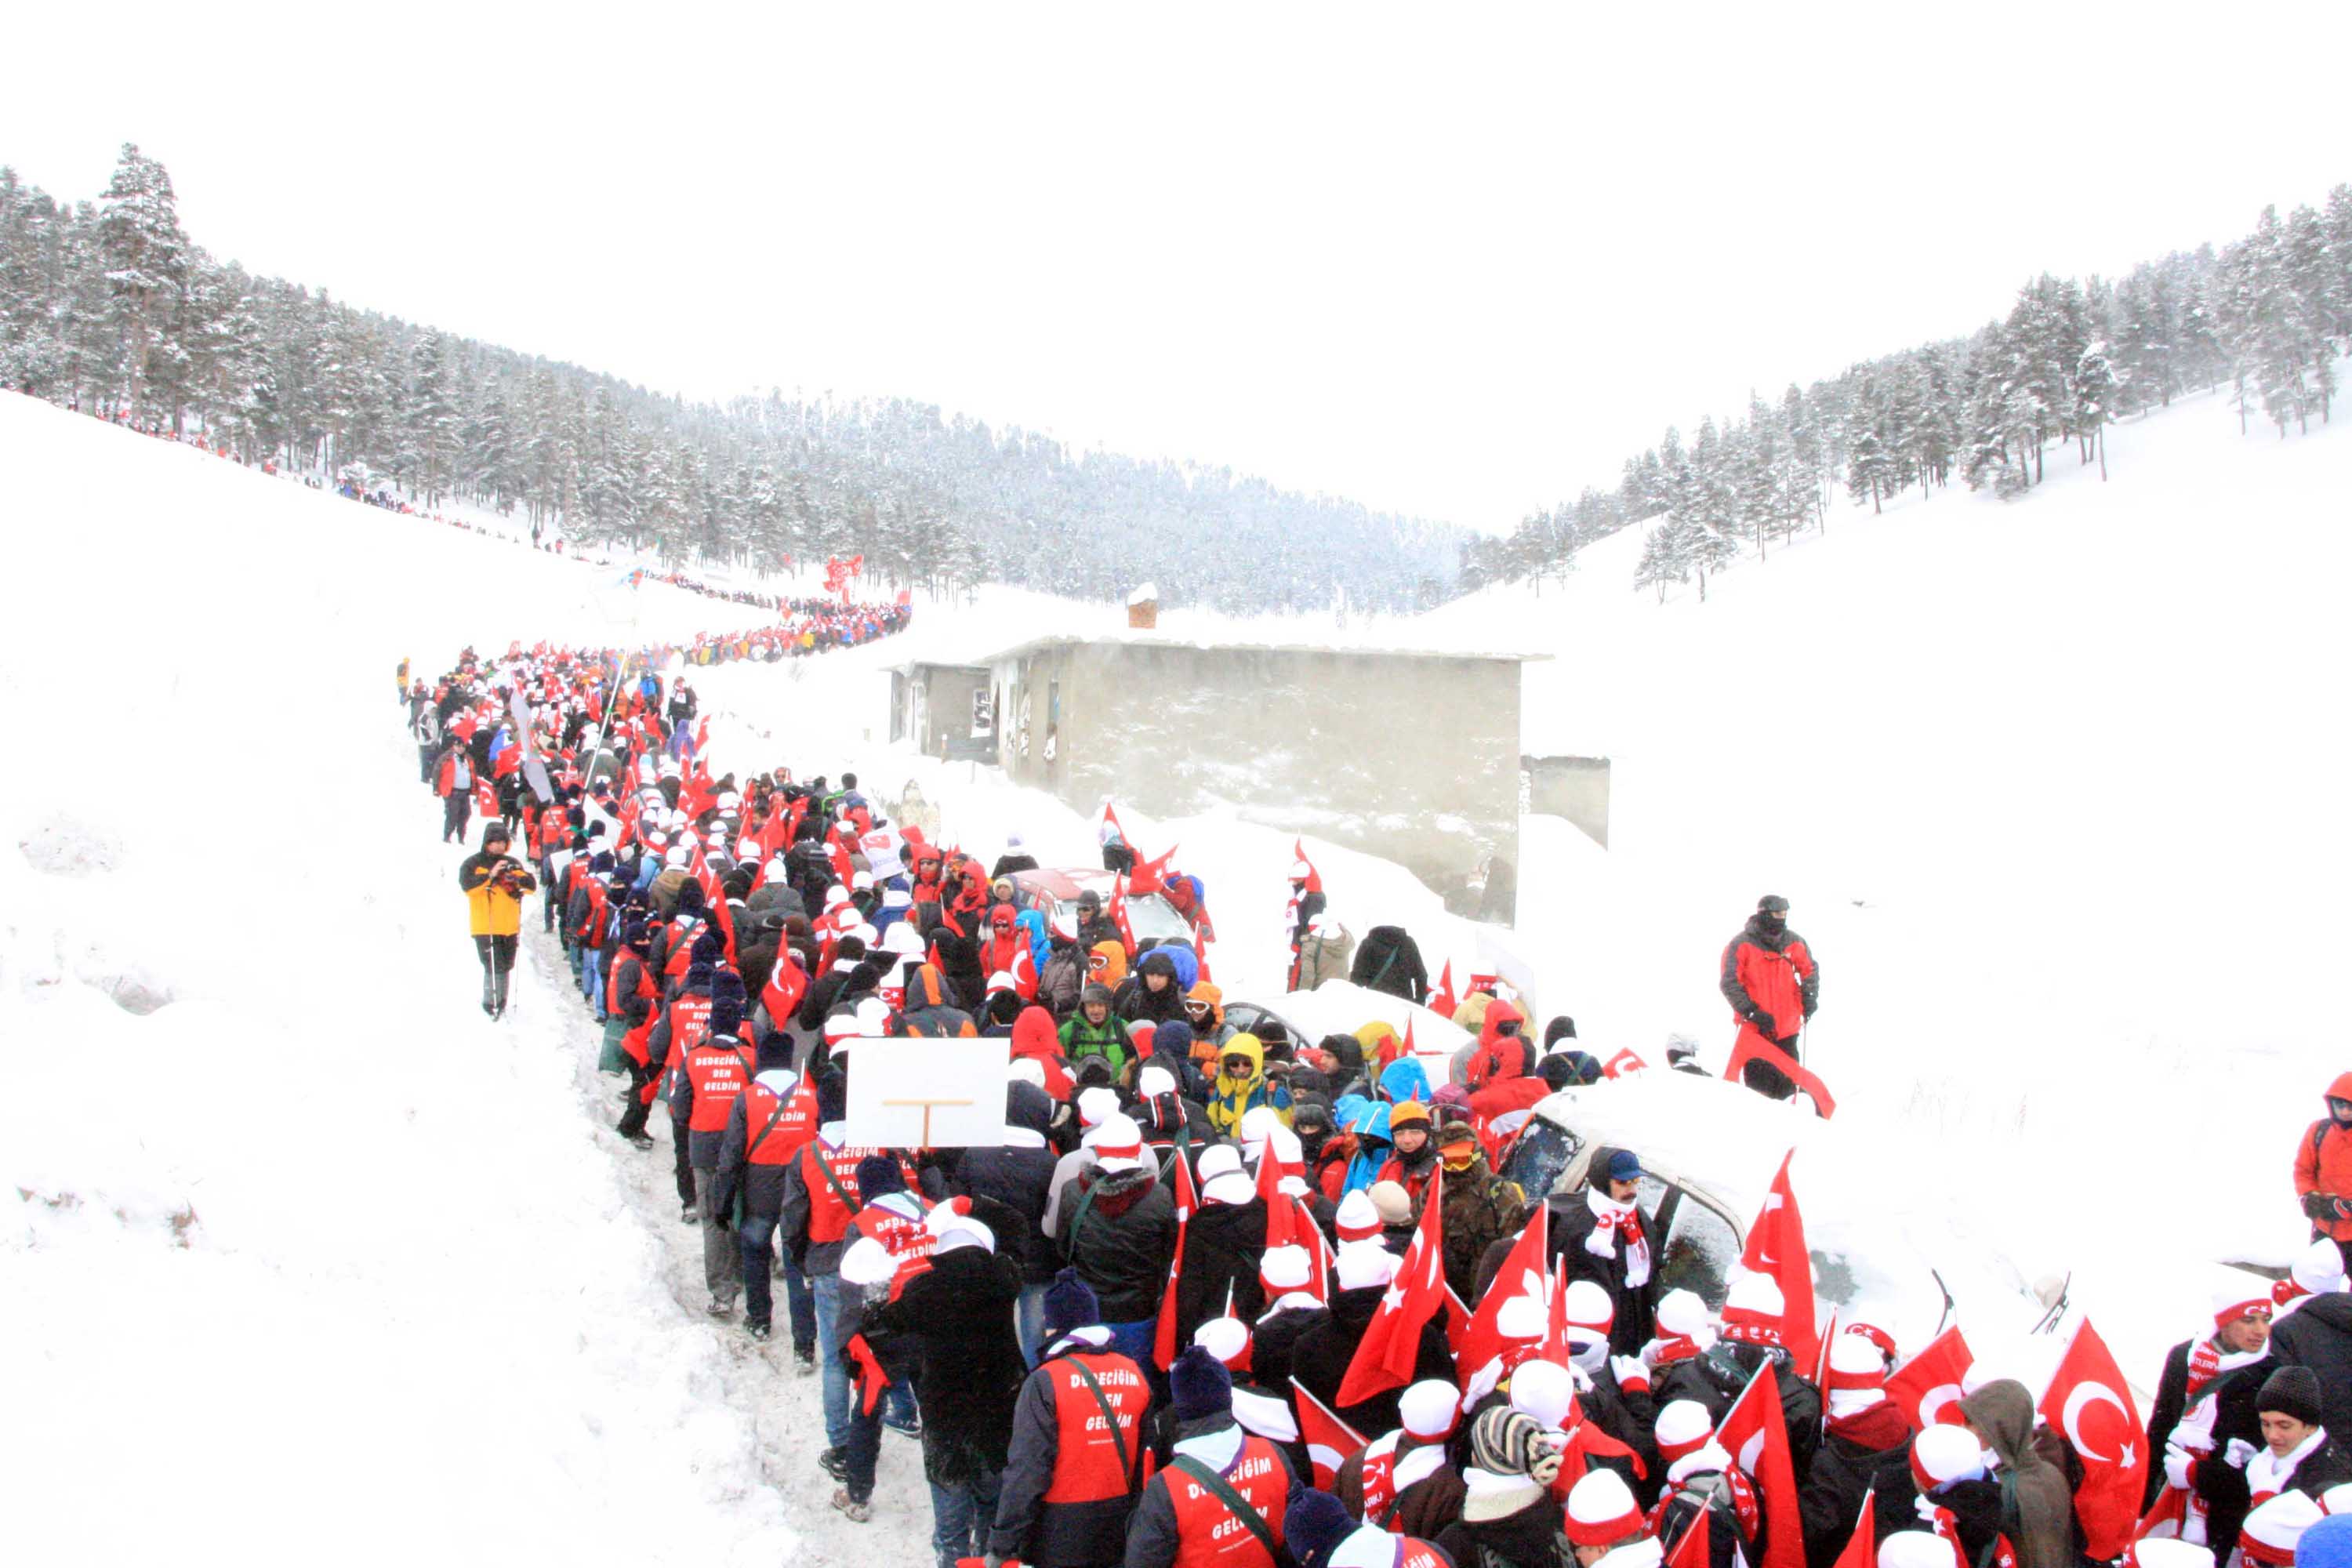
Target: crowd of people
[(1227, 1299)]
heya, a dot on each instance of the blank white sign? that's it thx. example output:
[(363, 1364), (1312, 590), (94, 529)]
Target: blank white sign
[(918, 1094)]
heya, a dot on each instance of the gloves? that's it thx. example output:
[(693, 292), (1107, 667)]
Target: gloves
[(1765, 1022), (1631, 1373), (2179, 1466), (2320, 1205), (2239, 1451)]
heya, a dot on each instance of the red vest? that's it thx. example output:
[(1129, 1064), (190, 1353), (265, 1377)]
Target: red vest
[(828, 1215), (681, 954), (717, 1069), (689, 1024), (791, 1120), (634, 1041), (591, 934), (1086, 1455), (1207, 1534)]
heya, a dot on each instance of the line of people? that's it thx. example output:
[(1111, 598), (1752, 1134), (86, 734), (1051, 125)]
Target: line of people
[(1164, 1319)]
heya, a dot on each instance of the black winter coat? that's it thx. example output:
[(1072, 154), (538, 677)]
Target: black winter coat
[(2221, 1486), (1224, 1244), (1018, 1179), (1389, 960), (1122, 1244), (1844, 1468), (1319, 1359), (1274, 1342), (1717, 1379), (2319, 1335), (972, 1369)]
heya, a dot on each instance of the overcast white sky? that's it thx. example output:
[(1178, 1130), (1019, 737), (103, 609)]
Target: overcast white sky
[(1452, 259)]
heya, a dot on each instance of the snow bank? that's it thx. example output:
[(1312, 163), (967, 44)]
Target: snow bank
[(305, 1253)]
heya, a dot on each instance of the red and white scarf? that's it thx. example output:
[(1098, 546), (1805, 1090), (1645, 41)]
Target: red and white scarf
[(1624, 1220), (2207, 1360)]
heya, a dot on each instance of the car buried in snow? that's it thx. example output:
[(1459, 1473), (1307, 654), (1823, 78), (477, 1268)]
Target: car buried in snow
[(1053, 893), (1341, 1007)]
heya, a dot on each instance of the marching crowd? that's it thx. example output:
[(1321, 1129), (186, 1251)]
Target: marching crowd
[(1220, 1299)]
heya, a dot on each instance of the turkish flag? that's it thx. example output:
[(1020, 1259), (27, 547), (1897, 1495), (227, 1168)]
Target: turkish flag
[(1776, 1245), (1526, 1272), (1624, 1062), (1391, 1342), (1281, 1217), (1164, 1348), (2089, 1401), (1691, 1551), (1321, 1265), (1330, 1442), (1861, 1551), (485, 799), (1441, 1000), (1751, 1044), (787, 984), (1928, 1384), (1314, 878), (1149, 875), (1755, 1433), (867, 1372)]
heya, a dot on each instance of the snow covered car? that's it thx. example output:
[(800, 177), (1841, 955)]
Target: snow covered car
[(1055, 895), (1709, 1150), (1341, 1007)]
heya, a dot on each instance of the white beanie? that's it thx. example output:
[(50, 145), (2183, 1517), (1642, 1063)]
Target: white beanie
[(1096, 1106), (1589, 1306), (1285, 1268), (1755, 1298), (1946, 1454), (1601, 1509), (1854, 1364), (1543, 1390), (1916, 1549), (1227, 1339), (1355, 1219), (965, 1231), (1155, 1081), (873, 1015), (1119, 1144), (1363, 1265), (1521, 1318), (1230, 1190), (675, 857), (1429, 1408), (1684, 1425), (2319, 1268), (1218, 1160), (903, 940), (1026, 1069), (2165, 1551), (2272, 1530), (1682, 1313)]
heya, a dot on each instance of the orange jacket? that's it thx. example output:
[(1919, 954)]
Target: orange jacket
[(2323, 1160)]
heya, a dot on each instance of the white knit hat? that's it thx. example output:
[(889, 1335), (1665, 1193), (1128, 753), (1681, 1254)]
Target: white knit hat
[(1230, 1190), (1355, 1219), (1587, 1306), (1684, 1425), (1916, 1549), (1430, 1408), (1601, 1509), (2165, 1551), (1096, 1106), (1942, 1454), (1361, 1265), (1026, 1069), (1521, 1318), (1682, 1313), (2319, 1267), (2272, 1531), (1755, 1299), (1154, 1081), (1119, 1144), (1543, 1390), (1218, 1160), (1285, 1269), (1227, 1339), (1854, 1364)]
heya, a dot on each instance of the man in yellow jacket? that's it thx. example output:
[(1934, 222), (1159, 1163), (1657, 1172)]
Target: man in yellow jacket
[(494, 882)]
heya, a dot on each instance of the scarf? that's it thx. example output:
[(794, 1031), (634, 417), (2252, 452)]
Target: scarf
[(1612, 1220), (2269, 1474), (2207, 1360)]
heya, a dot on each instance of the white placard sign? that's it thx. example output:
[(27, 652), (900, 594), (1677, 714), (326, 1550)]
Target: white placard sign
[(925, 1094)]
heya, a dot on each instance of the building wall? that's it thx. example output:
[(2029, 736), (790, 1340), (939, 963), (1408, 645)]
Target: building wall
[(946, 711), (1413, 759), (1574, 787)]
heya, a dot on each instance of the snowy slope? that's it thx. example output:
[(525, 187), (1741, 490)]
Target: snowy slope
[(2055, 788), (311, 1252)]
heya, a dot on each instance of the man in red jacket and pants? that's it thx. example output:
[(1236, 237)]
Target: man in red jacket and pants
[(1773, 985)]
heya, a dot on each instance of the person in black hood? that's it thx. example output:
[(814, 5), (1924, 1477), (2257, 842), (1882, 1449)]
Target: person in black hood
[(1151, 994), (826, 989), (1319, 1359), (1018, 1174), (1770, 978), (958, 958), (1561, 1027)]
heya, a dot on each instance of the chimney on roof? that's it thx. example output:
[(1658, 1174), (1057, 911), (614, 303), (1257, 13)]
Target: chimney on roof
[(1143, 608)]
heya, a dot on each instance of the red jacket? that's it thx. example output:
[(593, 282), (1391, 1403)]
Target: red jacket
[(1769, 972), (2323, 1162)]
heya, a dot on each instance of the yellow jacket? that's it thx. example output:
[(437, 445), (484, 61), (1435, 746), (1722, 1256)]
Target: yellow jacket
[(494, 912)]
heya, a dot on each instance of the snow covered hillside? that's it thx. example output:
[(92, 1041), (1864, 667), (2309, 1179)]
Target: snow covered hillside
[(306, 1250), (2055, 788)]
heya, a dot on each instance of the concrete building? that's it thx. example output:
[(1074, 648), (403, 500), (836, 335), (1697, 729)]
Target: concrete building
[(1574, 787), (1410, 756), (946, 709)]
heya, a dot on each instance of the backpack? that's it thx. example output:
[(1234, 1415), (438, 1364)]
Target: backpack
[(1059, 983)]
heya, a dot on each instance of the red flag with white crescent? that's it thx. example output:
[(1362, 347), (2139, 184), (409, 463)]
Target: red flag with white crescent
[(1163, 1332), (1390, 1347), (1927, 1386), (1776, 1245), (1330, 1442), (1755, 1433), (2091, 1402)]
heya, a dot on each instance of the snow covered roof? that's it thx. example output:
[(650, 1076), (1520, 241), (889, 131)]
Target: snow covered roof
[(1381, 648), (1145, 594)]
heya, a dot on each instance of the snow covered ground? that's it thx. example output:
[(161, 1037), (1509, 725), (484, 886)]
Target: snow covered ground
[(2051, 786), (311, 1253)]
